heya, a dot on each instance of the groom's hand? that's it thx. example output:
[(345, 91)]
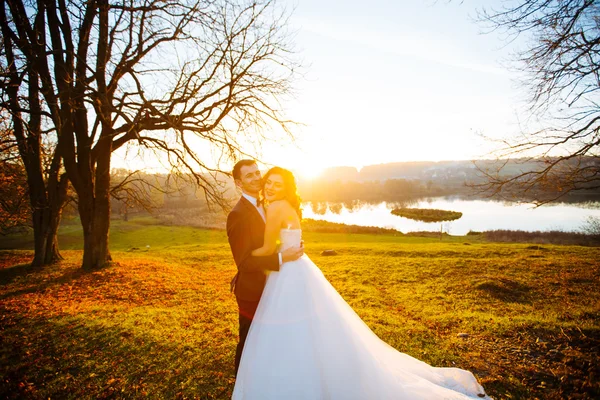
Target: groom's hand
[(292, 254)]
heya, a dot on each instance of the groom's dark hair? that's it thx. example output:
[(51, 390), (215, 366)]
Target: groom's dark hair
[(237, 168)]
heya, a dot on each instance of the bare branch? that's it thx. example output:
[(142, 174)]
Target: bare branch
[(561, 73)]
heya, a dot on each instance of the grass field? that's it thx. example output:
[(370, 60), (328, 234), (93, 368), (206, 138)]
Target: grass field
[(161, 323)]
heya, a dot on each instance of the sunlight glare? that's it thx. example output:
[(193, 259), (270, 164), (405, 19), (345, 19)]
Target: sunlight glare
[(309, 172)]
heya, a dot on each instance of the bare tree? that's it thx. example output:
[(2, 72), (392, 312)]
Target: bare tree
[(169, 75), (561, 69), (46, 184)]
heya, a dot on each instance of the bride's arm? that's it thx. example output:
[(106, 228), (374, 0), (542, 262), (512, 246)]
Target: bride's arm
[(272, 227)]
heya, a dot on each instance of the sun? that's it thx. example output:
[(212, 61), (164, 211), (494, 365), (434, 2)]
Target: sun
[(309, 172)]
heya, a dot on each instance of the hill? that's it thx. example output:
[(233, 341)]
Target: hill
[(160, 322), (428, 170)]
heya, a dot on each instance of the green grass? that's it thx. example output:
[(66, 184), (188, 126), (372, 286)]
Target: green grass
[(320, 226), (161, 323)]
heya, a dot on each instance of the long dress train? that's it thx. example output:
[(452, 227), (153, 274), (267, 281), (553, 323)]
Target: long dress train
[(307, 343)]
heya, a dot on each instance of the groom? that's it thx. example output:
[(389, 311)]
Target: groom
[(246, 230)]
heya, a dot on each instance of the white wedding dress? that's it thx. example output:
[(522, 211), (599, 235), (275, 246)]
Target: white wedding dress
[(306, 343)]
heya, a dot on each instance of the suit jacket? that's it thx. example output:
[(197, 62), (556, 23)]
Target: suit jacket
[(246, 231)]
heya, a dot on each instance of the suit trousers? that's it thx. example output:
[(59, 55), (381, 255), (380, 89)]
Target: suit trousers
[(246, 310)]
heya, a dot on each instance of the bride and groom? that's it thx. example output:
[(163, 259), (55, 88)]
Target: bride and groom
[(298, 338)]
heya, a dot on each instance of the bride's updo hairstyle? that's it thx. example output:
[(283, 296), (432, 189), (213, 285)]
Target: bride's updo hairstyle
[(290, 188)]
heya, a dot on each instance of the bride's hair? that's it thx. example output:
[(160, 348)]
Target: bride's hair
[(290, 188)]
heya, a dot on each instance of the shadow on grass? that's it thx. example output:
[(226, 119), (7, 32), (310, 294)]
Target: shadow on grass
[(543, 363), (67, 280), (38, 278), (81, 358), (506, 290), (8, 275), (74, 358)]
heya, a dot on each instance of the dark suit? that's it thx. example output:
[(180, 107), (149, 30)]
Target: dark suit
[(246, 231)]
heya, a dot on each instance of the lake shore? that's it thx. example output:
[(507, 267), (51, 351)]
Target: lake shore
[(477, 215)]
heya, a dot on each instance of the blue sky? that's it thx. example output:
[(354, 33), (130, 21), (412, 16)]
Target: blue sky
[(387, 81)]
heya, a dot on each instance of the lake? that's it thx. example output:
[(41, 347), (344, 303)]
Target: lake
[(478, 215)]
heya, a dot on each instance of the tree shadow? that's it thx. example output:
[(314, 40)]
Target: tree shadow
[(8, 275), (77, 358), (38, 278)]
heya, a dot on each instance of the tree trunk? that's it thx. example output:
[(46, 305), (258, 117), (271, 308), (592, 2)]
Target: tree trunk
[(39, 203), (52, 254), (40, 226), (95, 213), (46, 219), (95, 238), (96, 222), (57, 199)]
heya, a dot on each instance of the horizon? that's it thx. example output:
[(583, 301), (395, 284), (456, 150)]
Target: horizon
[(264, 168)]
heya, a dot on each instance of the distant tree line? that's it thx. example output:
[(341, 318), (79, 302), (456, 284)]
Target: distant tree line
[(384, 190)]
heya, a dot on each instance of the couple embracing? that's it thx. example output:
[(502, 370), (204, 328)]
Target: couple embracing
[(298, 338)]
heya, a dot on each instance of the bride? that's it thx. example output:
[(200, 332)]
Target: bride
[(307, 343)]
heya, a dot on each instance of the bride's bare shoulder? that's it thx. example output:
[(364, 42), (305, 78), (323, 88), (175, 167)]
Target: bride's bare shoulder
[(280, 207)]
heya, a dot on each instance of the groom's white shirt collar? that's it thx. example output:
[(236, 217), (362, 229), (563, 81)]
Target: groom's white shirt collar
[(254, 202), (251, 199)]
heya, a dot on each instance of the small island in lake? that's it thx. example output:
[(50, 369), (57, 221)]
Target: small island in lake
[(427, 214)]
